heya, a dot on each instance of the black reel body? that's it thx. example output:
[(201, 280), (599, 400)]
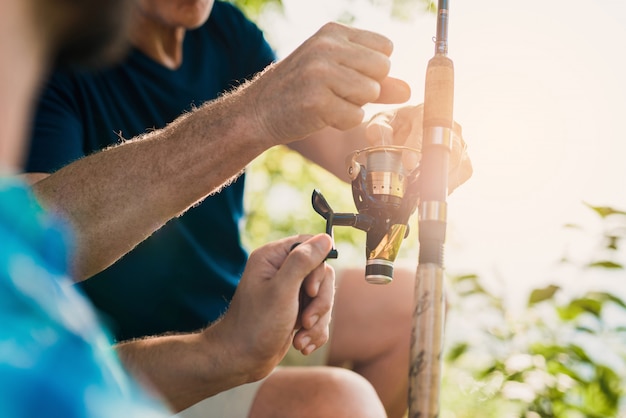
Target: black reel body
[(385, 197)]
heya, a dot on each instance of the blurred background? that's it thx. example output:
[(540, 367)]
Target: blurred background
[(534, 253)]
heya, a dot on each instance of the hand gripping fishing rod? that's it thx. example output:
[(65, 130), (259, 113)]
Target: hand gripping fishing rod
[(428, 316)]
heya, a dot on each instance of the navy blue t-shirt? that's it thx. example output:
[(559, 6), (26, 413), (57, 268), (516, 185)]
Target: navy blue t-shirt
[(184, 275)]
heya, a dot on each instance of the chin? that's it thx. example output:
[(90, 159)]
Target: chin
[(196, 14)]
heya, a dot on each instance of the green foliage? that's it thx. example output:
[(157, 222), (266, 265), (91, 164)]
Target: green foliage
[(400, 9), (254, 8), (278, 198), (405, 9), (605, 211), (559, 358), (539, 295)]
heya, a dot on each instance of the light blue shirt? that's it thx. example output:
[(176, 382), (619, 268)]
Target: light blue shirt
[(56, 359)]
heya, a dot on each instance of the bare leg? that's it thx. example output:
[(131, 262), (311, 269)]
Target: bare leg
[(316, 392), (372, 331)]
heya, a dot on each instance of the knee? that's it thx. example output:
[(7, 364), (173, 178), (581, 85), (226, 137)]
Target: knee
[(393, 301), (382, 310), (400, 299), (348, 394), (317, 392)]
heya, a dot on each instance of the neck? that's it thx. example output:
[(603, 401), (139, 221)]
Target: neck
[(162, 43), (23, 67)]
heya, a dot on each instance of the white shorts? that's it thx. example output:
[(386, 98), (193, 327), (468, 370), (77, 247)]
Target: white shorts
[(237, 402), (233, 403)]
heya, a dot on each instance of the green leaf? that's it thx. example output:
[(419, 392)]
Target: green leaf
[(613, 242), (602, 395), (463, 277), (542, 294), (605, 211), (469, 284), (607, 297), (457, 351), (579, 306), (607, 264), (253, 8), (404, 9), (585, 330), (578, 353), (494, 368), (572, 226)]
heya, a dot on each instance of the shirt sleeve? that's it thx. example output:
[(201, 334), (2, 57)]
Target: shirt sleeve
[(57, 130)]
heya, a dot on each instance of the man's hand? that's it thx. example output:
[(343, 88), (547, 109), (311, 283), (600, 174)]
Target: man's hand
[(324, 82), (266, 315), (404, 126)]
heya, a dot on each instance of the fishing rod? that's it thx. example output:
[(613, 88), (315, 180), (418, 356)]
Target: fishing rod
[(428, 316), (386, 195)]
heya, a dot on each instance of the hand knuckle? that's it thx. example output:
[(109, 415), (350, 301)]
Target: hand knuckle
[(331, 27), (372, 91), (300, 255)]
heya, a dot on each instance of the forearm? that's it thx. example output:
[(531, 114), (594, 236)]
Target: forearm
[(184, 369), (116, 198)]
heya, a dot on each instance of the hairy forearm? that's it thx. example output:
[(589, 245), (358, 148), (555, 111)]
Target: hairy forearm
[(184, 369), (116, 198)]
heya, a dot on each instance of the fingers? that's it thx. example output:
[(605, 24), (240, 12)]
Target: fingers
[(303, 260), (461, 166), (344, 85), (379, 131), (366, 52), (411, 134), (323, 83), (404, 126), (370, 59), (275, 252), (316, 301), (398, 127), (321, 302), (371, 40), (358, 65), (317, 288), (315, 317), (393, 90), (409, 128)]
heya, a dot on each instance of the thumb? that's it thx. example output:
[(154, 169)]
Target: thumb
[(302, 260)]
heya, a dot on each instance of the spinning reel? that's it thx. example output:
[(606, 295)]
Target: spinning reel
[(385, 195)]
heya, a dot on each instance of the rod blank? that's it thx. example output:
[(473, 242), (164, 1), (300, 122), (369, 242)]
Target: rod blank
[(429, 312)]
